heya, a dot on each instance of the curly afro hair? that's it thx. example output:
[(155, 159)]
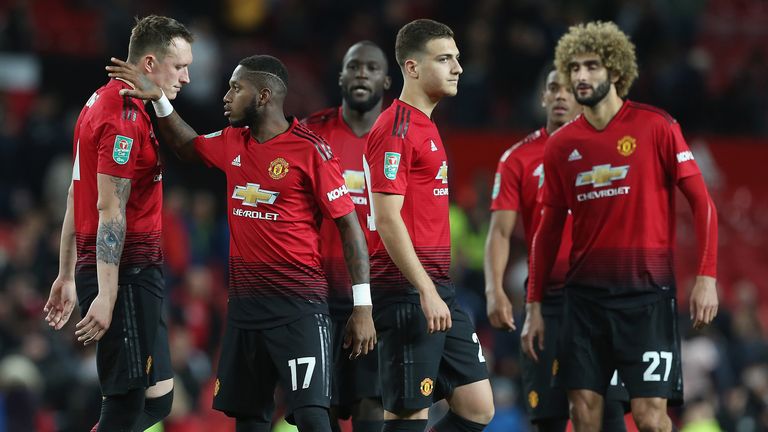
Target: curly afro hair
[(606, 40)]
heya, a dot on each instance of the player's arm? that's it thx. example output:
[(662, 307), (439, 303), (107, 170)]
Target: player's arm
[(394, 234), (499, 307), (703, 298), (361, 333), (173, 130), (63, 296), (546, 243), (113, 194)]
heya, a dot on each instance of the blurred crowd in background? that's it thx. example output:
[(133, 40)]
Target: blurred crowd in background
[(705, 62)]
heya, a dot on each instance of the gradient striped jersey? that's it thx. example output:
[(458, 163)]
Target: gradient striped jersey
[(113, 136), (619, 183), (348, 147), (405, 156), (278, 193), (516, 186)]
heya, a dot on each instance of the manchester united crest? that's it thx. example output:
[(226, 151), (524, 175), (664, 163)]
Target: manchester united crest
[(278, 168), (626, 145), (533, 399), (426, 387)]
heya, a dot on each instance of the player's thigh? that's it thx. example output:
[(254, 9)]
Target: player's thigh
[(246, 375), (584, 358), (341, 382), (301, 351), (409, 357), (130, 354), (463, 358), (647, 347), (543, 399)]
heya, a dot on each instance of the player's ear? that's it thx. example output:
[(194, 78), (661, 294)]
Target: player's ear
[(411, 68), (387, 82), (613, 76), (148, 63), (340, 84), (265, 95)]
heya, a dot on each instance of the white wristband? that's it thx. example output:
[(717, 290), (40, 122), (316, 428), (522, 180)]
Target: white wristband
[(163, 107), (361, 295)]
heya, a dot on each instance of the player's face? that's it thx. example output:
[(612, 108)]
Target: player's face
[(172, 71), (439, 68), (363, 77), (590, 79), (240, 101), (558, 100)]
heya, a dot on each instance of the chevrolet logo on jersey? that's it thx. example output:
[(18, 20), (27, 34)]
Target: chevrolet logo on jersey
[(355, 181), (442, 173), (602, 175), (252, 195)]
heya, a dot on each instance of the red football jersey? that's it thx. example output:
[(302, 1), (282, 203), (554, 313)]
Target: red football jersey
[(348, 147), (405, 156), (619, 184), (113, 136), (516, 186), (278, 192)]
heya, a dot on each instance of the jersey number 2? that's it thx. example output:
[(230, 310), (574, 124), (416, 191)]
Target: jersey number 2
[(654, 357), (480, 356), (310, 362)]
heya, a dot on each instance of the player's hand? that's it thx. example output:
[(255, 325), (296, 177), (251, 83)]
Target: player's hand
[(96, 322), (435, 311), (360, 334), (499, 310), (61, 302), (144, 88), (703, 301), (533, 329)]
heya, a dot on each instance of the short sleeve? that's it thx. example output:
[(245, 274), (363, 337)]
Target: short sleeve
[(389, 158), (507, 183), (677, 157), (118, 147), (330, 190), (553, 193), (212, 148)]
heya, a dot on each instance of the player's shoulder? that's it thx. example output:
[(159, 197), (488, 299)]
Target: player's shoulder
[(529, 143), (305, 137), (321, 118), (399, 120), (651, 113), (566, 132), (106, 102)]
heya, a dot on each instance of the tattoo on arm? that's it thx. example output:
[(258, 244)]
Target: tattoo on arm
[(355, 248), (110, 236), (179, 135), (122, 191), (109, 241)]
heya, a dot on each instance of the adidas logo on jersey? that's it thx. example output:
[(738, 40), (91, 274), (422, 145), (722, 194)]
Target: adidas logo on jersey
[(236, 161), (432, 143), (575, 155)]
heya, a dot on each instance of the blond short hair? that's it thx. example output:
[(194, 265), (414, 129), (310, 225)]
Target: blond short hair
[(606, 40)]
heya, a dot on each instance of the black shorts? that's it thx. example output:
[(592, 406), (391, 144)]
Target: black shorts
[(418, 368), (642, 343), (298, 354), (134, 352), (544, 399), (351, 380)]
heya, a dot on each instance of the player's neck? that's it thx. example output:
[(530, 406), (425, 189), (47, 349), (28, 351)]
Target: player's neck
[(416, 97), (360, 122), (268, 127), (601, 114)]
